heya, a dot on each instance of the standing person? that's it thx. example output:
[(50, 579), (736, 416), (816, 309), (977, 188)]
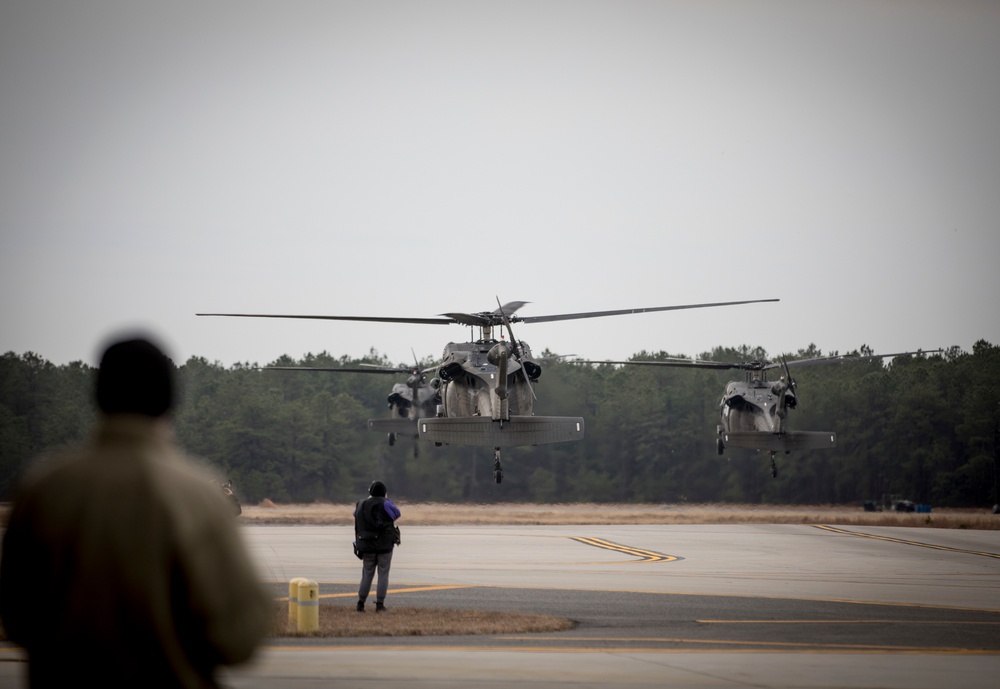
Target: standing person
[(122, 564), (376, 534)]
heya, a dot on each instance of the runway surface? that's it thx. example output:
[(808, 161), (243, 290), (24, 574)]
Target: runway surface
[(681, 606)]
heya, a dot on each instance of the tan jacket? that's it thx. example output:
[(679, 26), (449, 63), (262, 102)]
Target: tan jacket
[(122, 563)]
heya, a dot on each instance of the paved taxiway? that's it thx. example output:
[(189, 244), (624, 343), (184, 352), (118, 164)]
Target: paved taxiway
[(707, 606)]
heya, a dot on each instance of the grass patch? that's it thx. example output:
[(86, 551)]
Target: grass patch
[(511, 514), (340, 621)]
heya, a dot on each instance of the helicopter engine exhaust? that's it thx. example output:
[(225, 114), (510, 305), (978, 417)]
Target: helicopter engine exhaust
[(450, 372), (532, 369)]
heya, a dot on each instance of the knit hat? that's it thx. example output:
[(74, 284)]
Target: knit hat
[(377, 489), (135, 377)]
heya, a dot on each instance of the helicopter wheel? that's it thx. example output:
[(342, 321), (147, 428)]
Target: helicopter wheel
[(392, 439), (720, 445), (497, 471)]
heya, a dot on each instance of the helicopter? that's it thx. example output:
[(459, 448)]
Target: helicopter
[(486, 390), (409, 401), (754, 411)]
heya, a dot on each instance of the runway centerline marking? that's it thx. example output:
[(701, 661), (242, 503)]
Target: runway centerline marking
[(643, 555), (919, 544)]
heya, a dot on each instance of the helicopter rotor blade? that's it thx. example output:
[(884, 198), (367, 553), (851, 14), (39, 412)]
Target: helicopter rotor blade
[(336, 369), (845, 358), (370, 319), (682, 363), (516, 348), (621, 312), (488, 318)]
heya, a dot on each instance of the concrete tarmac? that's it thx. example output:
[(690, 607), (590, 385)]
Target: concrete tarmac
[(707, 606)]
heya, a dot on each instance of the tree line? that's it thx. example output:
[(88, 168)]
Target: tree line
[(923, 428)]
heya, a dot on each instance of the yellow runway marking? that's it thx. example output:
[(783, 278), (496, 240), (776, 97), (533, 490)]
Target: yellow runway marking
[(412, 589), (771, 644), (643, 555), (905, 542)]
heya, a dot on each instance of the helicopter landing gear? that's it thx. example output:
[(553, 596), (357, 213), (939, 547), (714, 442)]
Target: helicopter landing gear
[(497, 471), (774, 467), (720, 445), (392, 439)]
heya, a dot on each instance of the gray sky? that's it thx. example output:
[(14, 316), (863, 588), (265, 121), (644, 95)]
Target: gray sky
[(415, 158)]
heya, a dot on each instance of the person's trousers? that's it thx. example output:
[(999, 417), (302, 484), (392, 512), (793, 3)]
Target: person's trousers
[(370, 563)]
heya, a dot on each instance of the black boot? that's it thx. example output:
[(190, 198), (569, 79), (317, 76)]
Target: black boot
[(361, 606), (379, 607)]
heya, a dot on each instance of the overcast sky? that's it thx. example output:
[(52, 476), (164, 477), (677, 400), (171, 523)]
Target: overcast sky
[(415, 158)]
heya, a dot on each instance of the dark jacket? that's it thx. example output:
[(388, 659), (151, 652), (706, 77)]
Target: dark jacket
[(145, 576), (374, 527)]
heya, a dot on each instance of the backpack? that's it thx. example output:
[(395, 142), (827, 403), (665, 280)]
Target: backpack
[(374, 530)]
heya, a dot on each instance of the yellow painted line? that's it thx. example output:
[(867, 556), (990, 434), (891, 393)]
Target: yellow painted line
[(770, 644), (905, 542), (412, 589), (643, 555)]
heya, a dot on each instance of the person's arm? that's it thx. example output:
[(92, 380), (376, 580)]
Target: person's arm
[(391, 509)]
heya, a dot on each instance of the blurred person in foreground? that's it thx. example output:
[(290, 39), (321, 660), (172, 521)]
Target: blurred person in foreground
[(376, 533), (122, 564)]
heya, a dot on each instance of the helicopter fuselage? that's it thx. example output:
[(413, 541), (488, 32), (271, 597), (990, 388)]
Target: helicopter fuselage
[(402, 403), (480, 379), (756, 405)]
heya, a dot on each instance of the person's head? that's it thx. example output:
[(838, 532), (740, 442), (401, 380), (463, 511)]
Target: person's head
[(377, 489), (135, 377)]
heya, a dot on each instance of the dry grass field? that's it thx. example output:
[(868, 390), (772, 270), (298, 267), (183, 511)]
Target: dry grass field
[(439, 514), (344, 621)]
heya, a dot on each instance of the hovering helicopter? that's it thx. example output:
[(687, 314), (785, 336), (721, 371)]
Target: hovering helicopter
[(754, 411), (486, 386), (408, 401)]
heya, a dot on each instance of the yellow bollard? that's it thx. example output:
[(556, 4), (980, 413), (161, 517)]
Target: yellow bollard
[(293, 599), (308, 606)]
